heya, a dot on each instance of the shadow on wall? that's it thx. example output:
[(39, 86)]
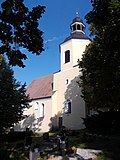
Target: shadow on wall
[(73, 93), (74, 105), (73, 90), (30, 122), (55, 123)]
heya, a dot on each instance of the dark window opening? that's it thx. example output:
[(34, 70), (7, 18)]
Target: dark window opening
[(67, 56), (67, 108), (74, 27), (67, 81), (78, 27), (52, 85), (82, 28)]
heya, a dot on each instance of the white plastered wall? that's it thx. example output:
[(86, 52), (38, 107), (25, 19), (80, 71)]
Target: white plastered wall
[(77, 48), (72, 92), (34, 121)]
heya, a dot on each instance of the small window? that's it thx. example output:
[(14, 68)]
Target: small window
[(36, 105), (67, 56), (66, 81), (42, 112), (52, 85), (67, 107)]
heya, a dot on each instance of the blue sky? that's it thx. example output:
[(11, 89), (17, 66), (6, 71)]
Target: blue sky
[(55, 23)]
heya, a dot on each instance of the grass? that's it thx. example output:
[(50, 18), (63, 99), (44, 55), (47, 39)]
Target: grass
[(110, 145)]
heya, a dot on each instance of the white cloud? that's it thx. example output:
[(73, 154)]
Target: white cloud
[(53, 39)]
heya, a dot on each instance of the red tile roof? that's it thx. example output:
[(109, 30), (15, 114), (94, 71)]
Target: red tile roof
[(41, 87)]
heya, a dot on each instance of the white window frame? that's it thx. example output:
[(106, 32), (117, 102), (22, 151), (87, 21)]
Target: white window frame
[(68, 107), (42, 110)]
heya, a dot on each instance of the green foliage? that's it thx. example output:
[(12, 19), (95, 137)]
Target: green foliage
[(100, 65), (103, 123), (19, 30), (12, 97)]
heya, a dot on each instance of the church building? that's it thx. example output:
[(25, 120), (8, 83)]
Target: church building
[(56, 98)]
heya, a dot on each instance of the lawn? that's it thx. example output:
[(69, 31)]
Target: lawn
[(110, 145)]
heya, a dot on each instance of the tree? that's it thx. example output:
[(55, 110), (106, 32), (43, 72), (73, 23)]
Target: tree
[(18, 30), (100, 64), (12, 97)]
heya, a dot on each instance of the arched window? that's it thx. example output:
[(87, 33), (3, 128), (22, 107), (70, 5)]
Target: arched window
[(42, 112), (67, 107), (67, 56), (74, 27), (78, 27)]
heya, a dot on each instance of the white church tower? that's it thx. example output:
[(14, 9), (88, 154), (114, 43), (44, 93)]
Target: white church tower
[(73, 46), (68, 93)]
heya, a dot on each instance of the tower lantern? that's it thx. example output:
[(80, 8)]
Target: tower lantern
[(77, 25)]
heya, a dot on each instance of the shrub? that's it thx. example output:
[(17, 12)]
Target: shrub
[(103, 122)]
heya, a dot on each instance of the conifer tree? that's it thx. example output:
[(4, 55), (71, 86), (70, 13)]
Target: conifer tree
[(12, 97)]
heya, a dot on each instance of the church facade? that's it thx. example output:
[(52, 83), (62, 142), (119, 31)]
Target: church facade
[(56, 98)]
